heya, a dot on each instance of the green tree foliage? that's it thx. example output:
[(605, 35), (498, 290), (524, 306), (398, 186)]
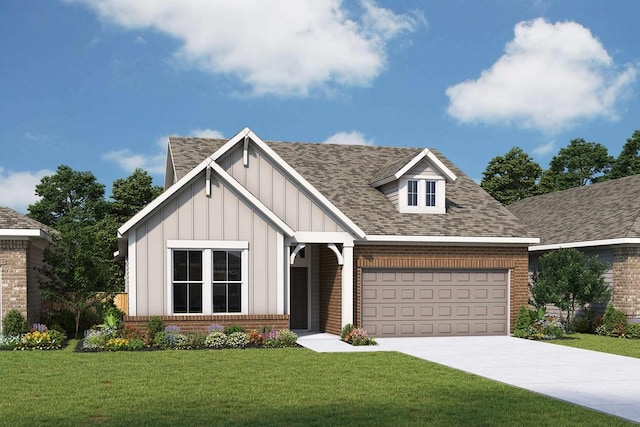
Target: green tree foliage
[(511, 177), (68, 196), (569, 280), (74, 270), (128, 196), (580, 163), (628, 162)]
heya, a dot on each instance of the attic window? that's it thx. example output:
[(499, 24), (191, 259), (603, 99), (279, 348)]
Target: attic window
[(422, 195)]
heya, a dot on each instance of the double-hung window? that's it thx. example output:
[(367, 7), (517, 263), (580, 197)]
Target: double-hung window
[(207, 277), (422, 195)]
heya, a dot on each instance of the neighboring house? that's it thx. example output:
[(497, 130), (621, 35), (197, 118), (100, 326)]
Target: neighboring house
[(316, 236), (600, 219), (22, 241)]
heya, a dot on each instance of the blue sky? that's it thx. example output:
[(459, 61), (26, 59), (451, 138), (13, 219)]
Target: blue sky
[(99, 85)]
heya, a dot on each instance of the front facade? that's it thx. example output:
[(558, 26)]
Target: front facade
[(600, 220), (315, 236), (22, 242)]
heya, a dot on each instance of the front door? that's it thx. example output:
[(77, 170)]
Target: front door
[(299, 298)]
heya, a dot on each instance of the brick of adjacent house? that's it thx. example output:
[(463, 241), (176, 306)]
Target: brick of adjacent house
[(13, 260), (626, 280), (513, 259)]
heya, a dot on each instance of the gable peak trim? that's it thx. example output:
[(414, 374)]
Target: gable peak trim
[(431, 158)]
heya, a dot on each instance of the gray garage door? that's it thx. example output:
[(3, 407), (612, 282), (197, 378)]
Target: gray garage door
[(434, 302)]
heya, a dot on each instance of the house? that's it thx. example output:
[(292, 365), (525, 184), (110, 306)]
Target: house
[(22, 242), (315, 236), (601, 219)]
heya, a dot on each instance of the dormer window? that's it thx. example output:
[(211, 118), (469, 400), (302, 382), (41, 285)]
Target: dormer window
[(421, 195)]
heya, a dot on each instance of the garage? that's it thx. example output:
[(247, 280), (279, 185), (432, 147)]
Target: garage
[(425, 302)]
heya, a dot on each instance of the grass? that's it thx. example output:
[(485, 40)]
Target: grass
[(266, 387), (613, 345)]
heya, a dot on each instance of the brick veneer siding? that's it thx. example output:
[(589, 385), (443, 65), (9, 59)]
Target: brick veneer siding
[(626, 280), (200, 323), (515, 259), (13, 260), (330, 292)]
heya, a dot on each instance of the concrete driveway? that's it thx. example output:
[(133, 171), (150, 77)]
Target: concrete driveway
[(600, 381)]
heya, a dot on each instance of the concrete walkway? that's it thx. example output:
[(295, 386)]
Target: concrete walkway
[(600, 381)]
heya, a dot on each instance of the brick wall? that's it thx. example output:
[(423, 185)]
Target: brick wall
[(13, 259), (514, 259), (626, 280), (330, 292), (201, 322)]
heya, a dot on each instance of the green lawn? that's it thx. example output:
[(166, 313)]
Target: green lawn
[(266, 387), (621, 346)]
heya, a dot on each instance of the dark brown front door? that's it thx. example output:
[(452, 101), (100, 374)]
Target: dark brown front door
[(299, 298)]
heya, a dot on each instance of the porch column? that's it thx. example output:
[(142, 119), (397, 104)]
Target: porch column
[(347, 284)]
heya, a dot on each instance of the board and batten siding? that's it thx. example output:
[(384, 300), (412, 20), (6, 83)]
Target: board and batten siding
[(191, 215), (278, 191)]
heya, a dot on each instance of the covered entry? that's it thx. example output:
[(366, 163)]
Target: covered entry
[(426, 302)]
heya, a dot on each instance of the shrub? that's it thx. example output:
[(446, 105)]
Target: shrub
[(237, 340), (272, 339), (36, 340), (159, 340), (346, 330), (633, 330), (359, 336), (136, 344), (615, 321), (191, 340), (232, 329), (288, 338), (8, 342), (216, 339), (14, 323), (155, 325), (96, 339), (523, 323), (256, 337)]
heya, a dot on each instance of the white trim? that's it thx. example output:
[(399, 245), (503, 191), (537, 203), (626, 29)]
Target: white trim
[(210, 161), (509, 302), (207, 182), (587, 243), (24, 232), (228, 179), (422, 208), (207, 247), (347, 285), (320, 237), (335, 250), (132, 285), (281, 268), (406, 168), (296, 176), (450, 239), (245, 152), (292, 257), (208, 244)]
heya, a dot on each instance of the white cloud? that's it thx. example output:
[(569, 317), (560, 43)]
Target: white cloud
[(550, 76), (18, 188), (207, 133), (544, 149), (348, 138), (279, 47), (155, 162)]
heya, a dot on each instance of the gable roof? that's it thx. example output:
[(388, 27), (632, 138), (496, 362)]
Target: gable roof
[(15, 224), (343, 173), (397, 168), (584, 216)]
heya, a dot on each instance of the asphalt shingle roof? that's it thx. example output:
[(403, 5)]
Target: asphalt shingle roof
[(12, 220), (343, 173), (607, 210)]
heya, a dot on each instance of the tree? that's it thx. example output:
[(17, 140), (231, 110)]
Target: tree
[(568, 280), (580, 163), (511, 177), (628, 162), (68, 196), (74, 271)]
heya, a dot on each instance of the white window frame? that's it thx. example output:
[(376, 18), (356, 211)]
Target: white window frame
[(403, 199), (207, 247)]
